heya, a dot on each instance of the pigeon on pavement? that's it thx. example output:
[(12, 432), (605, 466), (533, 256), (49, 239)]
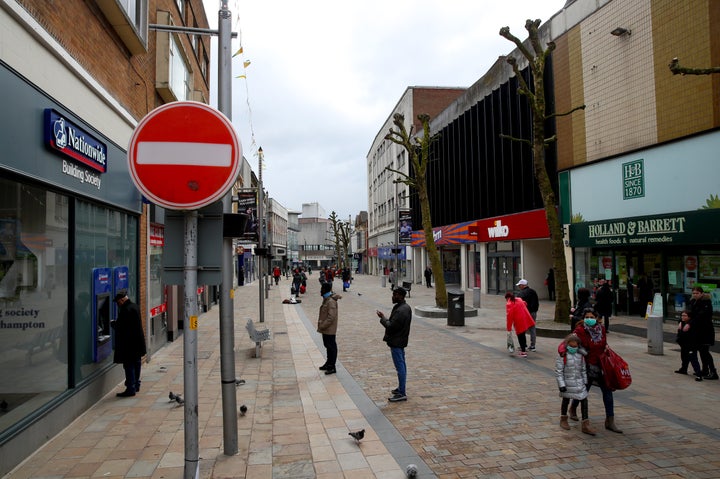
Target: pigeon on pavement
[(357, 435)]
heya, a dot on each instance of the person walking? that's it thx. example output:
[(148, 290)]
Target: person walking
[(518, 318), (583, 303), (688, 337), (550, 283), (571, 375), (327, 326), (346, 277), (428, 276), (397, 335), (530, 297), (391, 278), (129, 343), (701, 312), (604, 302), (276, 274), (594, 340)]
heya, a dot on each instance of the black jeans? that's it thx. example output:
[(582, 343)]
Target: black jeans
[(708, 366), (583, 407), (331, 348)]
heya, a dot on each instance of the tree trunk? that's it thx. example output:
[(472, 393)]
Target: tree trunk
[(432, 251)]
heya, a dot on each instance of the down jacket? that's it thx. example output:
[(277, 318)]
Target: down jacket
[(570, 372)]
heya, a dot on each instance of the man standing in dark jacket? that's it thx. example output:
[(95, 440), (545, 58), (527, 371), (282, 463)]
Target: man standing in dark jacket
[(603, 303), (397, 333), (530, 297), (701, 313), (129, 343)]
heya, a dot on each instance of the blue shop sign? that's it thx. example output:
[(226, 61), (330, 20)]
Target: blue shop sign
[(68, 139)]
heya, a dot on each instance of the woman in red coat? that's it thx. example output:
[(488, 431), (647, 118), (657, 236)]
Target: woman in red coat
[(519, 318)]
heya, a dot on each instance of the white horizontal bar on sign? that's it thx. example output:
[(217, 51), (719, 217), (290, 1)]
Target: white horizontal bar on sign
[(183, 154)]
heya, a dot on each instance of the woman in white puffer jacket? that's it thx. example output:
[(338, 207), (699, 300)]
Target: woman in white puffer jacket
[(571, 374)]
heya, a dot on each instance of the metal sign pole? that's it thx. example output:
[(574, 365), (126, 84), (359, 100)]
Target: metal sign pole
[(227, 303), (261, 243), (192, 465)]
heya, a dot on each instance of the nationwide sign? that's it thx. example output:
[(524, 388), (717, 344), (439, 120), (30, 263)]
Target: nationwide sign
[(691, 227), (69, 139)]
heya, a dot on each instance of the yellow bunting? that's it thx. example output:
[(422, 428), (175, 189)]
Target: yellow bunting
[(240, 50)]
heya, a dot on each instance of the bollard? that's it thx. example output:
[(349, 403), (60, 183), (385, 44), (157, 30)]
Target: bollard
[(383, 281), (476, 297), (655, 335)]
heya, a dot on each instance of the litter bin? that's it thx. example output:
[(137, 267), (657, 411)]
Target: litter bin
[(655, 335), (383, 281), (456, 308)]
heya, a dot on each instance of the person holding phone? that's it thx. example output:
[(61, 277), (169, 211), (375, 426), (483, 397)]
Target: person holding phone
[(397, 335)]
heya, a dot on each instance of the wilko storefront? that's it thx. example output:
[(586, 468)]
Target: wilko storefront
[(493, 253)]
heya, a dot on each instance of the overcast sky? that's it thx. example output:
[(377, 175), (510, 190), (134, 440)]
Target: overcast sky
[(324, 76)]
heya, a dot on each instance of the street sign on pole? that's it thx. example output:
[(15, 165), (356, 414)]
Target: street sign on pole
[(184, 155)]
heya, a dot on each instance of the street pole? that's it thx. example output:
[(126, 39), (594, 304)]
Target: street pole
[(227, 292), (190, 387), (261, 243), (397, 239)]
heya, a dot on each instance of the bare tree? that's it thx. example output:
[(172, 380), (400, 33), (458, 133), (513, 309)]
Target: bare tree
[(342, 235), (418, 150), (536, 56), (678, 69)]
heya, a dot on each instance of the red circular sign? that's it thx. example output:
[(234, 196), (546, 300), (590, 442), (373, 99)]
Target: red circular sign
[(184, 155)]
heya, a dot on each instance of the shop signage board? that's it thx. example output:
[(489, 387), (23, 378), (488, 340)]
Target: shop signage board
[(690, 227), (184, 155)]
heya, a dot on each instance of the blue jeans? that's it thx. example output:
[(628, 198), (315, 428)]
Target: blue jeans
[(398, 357), (132, 374)]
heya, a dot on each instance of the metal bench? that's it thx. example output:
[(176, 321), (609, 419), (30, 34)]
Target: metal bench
[(257, 336), (407, 286)]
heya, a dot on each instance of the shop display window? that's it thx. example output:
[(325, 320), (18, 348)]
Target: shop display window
[(34, 231)]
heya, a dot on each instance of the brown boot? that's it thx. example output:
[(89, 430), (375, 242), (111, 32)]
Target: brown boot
[(610, 425), (563, 422), (586, 427), (573, 413)]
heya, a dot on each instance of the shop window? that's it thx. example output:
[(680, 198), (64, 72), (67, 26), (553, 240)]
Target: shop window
[(33, 299), (104, 238)]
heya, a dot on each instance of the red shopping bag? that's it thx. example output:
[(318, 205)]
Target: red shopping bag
[(616, 371)]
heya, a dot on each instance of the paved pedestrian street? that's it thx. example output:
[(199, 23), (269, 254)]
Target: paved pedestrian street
[(473, 409)]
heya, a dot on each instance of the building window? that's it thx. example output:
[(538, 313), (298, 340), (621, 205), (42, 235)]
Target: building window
[(129, 18)]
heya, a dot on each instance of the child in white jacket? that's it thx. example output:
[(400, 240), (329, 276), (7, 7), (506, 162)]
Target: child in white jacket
[(571, 374)]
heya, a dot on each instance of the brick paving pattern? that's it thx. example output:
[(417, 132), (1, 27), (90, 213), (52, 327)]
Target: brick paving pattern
[(473, 410)]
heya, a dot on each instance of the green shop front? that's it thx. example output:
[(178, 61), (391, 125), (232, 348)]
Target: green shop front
[(649, 222), (642, 256)]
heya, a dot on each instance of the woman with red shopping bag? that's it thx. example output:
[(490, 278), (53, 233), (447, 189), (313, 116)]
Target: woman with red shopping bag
[(593, 339), (518, 318)]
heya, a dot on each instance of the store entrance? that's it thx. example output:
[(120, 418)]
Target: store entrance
[(502, 271)]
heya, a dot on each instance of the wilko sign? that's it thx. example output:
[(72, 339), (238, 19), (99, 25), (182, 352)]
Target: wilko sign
[(70, 140), (531, 224)]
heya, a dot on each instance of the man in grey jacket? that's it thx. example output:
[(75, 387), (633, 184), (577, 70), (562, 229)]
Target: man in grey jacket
[(397, 334)]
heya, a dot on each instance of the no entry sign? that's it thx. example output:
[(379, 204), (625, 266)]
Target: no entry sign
[(184, 155)]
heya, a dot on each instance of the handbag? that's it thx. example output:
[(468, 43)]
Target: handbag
[(615, 369), (510, 343), (346, 284)]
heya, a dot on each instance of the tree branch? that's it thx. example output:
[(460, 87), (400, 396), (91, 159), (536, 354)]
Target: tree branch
[(556, 115), (677, 69), (521, 140)]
